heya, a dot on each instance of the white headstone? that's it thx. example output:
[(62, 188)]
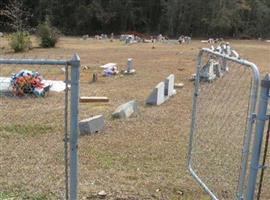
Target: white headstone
[(129, 65), (169, 86), (157, 95), (130, 69), (207, 71)]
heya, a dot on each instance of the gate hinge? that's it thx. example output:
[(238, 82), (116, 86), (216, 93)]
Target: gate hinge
[(253, 117)]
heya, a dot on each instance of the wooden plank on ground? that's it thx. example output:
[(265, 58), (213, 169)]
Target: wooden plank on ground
[(93, 99)]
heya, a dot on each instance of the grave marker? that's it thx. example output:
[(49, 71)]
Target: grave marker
[(169, 86), (125, 110), (130, 69), (91, 125), (157, 95)]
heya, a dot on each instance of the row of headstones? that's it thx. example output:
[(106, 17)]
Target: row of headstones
[(111, 68), (225, 49), (184, 39), (162, 92), (213, 68), (99, 37)]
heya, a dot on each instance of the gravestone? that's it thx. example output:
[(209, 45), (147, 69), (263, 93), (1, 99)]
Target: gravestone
[(169, 86), (157, 95), (91, 125), (125, 110), (217, 70), (94, 78), (85, 37), (207, 72), (130, 69)]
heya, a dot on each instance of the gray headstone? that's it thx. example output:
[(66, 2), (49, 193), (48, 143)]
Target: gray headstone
[(1, 34), (130, 69), (157, 95), (91, 125), (128, 40), (129, 65), (217, 70), (125, 110), (169, 86)]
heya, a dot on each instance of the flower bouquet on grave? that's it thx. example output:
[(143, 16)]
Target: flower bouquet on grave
[(28, 82)]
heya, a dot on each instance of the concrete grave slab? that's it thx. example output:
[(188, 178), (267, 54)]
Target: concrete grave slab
[(56, 86), (179, 85), (91, 125), (125, 110), (93, 99), (108, 65)]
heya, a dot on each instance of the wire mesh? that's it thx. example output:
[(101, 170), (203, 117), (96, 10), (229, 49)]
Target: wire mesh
[(221, 119), (32, 157)]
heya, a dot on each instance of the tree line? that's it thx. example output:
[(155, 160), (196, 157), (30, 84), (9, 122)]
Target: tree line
[(196, 18)]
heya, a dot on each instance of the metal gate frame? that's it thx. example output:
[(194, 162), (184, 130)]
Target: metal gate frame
[(249, 125), (71, 188)]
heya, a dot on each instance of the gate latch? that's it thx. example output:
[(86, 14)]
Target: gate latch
[(265, 83)]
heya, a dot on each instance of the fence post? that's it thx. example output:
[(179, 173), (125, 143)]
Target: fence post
[(74, 107), (258, 138)]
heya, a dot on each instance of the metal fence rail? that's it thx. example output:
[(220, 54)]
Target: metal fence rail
[(256, 162), (222, 122), (31, 123), (263, 177)]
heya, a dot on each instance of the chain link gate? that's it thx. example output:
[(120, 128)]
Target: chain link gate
[(222, 124), (260, 148), (31, 131)]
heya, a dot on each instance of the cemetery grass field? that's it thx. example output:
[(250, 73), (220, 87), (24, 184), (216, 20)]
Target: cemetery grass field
[(142, 157)]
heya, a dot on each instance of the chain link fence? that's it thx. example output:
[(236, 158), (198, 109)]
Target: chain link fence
[(222, 124), (34, 128)]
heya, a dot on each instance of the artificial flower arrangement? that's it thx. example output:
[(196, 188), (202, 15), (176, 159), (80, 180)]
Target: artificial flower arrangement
[(28, 82)]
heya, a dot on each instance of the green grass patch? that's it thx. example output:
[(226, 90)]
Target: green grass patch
[(106, 160), (21, 196), (25, 129)]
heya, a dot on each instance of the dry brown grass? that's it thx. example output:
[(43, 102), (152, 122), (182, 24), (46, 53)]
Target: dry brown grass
[(143, 157)]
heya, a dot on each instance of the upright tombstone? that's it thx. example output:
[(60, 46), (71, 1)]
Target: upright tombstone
[(85, 37), (207, 72), (130, 69), (157, 95), (169, 86), (112, 37), (129, 65)]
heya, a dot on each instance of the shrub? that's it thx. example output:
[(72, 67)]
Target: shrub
[(48, 35), (20, 41)]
